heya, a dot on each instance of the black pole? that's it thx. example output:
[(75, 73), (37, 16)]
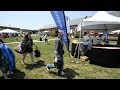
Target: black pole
[(66, 33), (66, 30), (106, 39)]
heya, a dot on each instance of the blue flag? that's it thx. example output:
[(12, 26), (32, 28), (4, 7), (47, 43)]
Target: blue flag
[(60, 21)]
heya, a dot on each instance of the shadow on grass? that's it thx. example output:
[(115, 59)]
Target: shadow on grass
[(38, 64), (69, 73), (105, 65), (108, 66), (16, 75), (48, 44)]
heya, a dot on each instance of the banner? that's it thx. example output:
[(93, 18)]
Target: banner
[(67, 24), (60, 21)]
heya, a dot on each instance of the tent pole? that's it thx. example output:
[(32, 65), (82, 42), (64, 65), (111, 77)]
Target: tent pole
[(118, 42), (106, 39), (79, 43)]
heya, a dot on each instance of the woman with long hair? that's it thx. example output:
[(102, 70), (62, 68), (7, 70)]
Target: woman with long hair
[(27, 47)]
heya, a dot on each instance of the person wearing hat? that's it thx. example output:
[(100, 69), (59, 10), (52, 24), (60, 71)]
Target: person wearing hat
[(58, 55)]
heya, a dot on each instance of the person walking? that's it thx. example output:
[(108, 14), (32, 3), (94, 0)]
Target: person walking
[(58, 55), (27, 47)]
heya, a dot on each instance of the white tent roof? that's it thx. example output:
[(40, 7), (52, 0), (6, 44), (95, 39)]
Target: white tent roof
[(46, 31), (99, 20), (8, 31), (116, 31)]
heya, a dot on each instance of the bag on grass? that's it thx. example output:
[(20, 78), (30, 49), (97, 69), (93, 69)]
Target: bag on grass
[(37, 52)]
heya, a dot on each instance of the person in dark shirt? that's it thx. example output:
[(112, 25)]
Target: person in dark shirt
[(27, 47), (58, 55)]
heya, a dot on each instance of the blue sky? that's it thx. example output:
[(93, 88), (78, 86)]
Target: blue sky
[(35, 19)]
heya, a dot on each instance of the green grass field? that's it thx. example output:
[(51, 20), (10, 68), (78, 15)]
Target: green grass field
[(84, 70)]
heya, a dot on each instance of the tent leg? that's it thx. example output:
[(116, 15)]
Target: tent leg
[(118, 42)]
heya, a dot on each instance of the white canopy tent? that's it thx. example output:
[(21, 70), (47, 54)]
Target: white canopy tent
[(8, 31), (46, 31), (101, 21), (116, 31)]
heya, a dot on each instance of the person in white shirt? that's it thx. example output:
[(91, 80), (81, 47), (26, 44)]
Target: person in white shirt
[(99, 42), (10, 36), (86, 40), (45, 37), (94, 39)]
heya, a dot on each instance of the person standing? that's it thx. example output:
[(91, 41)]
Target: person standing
[(27, 47), (0, 36), (99, 42), (58, 55), (46, 38), (94, 39), (10, 36), (86, 40)]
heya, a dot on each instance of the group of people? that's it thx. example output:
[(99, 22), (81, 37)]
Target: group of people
[(96, 39), (7, 57), (6, 35), (44, 38), (26, 47), (89, 41), (84, 47)]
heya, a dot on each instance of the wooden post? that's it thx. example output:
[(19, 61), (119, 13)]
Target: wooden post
[(118, 42)]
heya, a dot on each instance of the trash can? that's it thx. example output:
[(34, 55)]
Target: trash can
[(74, 49)]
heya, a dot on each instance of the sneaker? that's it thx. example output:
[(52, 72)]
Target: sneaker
[(72, 61), (5, 76), (62, 73), (23, 62), (77, 62), (48, 69), (33, 63)]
